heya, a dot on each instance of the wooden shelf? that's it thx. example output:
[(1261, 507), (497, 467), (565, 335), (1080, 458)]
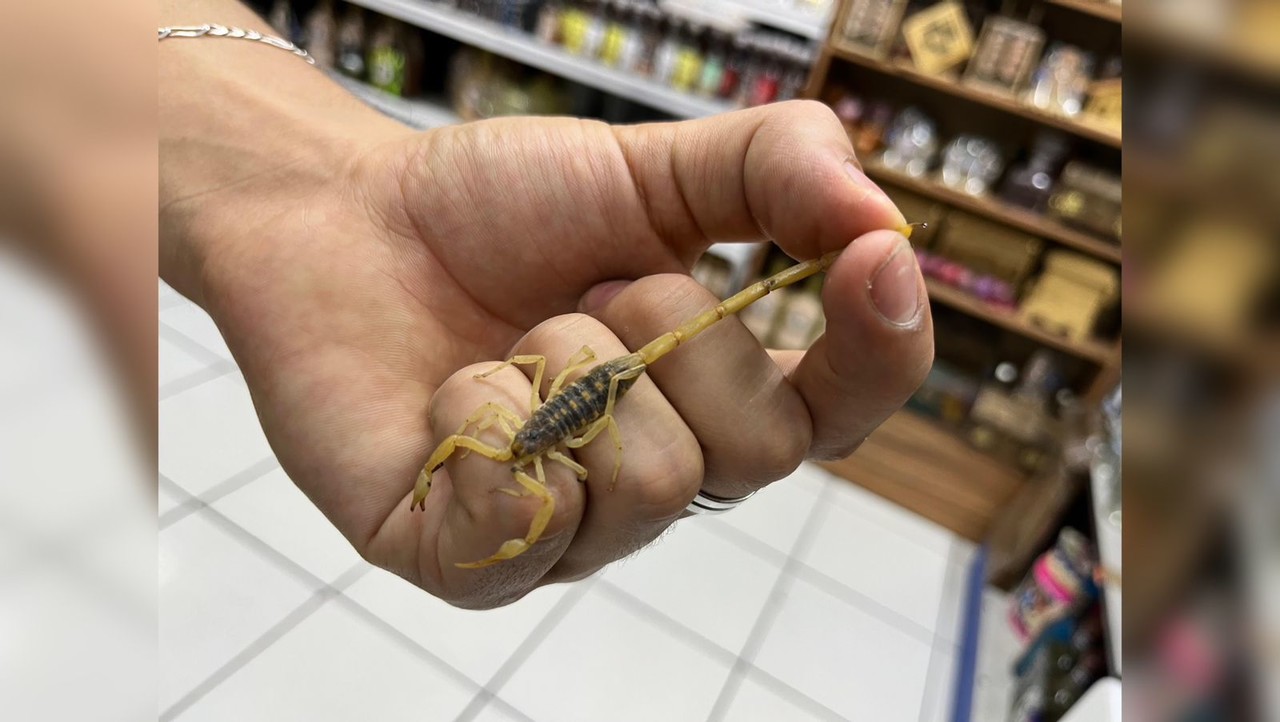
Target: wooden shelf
[(1096, 351), (1096, 8), (1000, 211), (990, 99)]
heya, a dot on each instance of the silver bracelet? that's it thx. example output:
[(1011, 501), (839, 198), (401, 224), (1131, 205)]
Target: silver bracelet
[(222, 31)]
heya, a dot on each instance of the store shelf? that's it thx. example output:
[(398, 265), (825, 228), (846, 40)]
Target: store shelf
[(1095, 351), (990, 99), (415, 113), (1097, 8), (999, 211), (1109, 555), (1102, 703), (988, 649), (784, 16), (523, 48)]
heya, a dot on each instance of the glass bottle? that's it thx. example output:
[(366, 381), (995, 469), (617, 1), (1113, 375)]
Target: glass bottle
[(688, 68), (714, 63), (664, 56), (632, 19), (733, 68), (795, 73), (573, 26), (650, 31), (549, 17), (616, 31), (386, 58), (764, 88), (594, 37), (351, 43)]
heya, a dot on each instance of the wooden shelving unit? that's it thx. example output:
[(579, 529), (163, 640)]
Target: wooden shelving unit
[(1097, 351), (997, 210), (1096, 8), (955, 88)]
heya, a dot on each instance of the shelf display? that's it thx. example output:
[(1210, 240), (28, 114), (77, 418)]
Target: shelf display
[(1088, 198), (1070, 295), (972, 164), (1007, 51), (939, 37), (1062, 80), (871, 25)]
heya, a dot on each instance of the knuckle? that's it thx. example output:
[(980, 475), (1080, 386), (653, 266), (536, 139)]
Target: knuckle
[(806, 110), (774, 453), (668, 481)]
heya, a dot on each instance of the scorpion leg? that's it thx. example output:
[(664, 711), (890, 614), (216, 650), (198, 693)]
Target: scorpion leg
[(540, 368), (583, 357), (444, 451), (578, 469), (487, 416), (515, 547), (605, 421)]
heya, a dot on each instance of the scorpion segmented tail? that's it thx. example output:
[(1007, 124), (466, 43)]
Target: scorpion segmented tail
[(666, 343)]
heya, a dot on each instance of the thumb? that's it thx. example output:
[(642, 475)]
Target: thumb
[(784, 172)]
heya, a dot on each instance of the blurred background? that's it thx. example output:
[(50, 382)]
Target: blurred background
[(997, 498)]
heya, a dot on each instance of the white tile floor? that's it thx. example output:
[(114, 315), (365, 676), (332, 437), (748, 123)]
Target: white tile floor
[(814, 601)]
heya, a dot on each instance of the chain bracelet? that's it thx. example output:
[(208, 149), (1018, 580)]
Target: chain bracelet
[(222, 31)]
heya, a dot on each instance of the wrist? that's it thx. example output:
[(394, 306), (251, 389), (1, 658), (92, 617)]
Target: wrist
[(248, 134)]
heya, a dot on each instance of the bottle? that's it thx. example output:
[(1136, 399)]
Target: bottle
[(573, 26), (649, 25), (632, 18), (734, 64), (688, 65), (386, 58), (322, 34), (764, 88), (664, 56), (713, 64), (616, 32), (594, 37), (795, 73), (752, 67), (549, 17), (351, 44)]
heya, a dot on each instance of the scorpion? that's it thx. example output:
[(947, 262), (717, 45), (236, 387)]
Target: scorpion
[(576, 414)]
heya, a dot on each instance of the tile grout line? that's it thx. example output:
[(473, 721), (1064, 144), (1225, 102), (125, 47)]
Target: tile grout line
[(322, 592), (246, 655), (829, 584), (764, 622), (407, 642), (195, 379), (642, 608), (188, 344), (746, 541), (857, 599), (536, 637), (236, 481), (681, 631)]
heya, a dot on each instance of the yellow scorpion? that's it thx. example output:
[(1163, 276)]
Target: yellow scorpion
[(576, 414)]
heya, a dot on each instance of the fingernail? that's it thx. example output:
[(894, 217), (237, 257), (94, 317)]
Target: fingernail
[(600, 294), (861, 180), (871, 191), (895, 289)]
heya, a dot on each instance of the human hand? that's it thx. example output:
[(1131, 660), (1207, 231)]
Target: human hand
[(361, 299)]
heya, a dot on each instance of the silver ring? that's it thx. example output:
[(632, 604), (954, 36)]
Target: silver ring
[(705, 503)]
